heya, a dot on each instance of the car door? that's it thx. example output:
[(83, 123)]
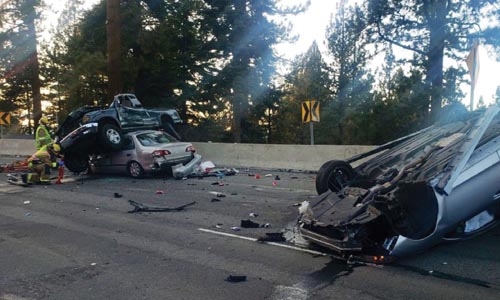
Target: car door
[(120, 159), (133, 116)]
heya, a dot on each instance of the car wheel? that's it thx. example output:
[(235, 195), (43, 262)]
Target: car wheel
[(333, 175), (76, 162), (135, 169), (111, 137)]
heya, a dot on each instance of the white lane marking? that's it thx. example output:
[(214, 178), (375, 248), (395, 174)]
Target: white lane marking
[(268, 243), (281, 292)]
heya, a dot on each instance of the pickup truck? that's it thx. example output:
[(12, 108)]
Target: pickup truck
[(92, 130)]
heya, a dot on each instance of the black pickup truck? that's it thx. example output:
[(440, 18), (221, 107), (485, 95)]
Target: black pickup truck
[(92, 130)]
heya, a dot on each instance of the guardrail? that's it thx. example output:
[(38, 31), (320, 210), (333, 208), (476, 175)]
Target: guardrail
[(267, 156)]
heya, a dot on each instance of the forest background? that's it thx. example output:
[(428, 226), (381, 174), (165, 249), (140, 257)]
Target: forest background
[(216, 62)]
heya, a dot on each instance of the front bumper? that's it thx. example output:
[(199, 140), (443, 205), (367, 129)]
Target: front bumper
[(82, 136)]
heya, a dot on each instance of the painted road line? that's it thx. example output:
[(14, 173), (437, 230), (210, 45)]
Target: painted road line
[(268, 243)]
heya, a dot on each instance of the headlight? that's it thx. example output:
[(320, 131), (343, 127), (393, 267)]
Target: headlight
[(85, 119)]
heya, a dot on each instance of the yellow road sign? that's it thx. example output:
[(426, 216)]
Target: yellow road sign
[(310, 111), (4, 118)]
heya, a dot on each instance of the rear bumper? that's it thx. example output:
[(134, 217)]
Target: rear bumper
[(338, 246), (179, 171), (166, 165)]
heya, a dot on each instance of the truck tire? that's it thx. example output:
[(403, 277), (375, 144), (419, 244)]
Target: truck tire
[(333, 175), (76, 162), (111, 137), (169, 128)]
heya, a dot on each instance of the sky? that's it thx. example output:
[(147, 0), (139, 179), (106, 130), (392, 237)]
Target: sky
[(310, 26)]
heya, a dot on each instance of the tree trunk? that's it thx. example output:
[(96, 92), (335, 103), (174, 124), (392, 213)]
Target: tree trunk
[(434, 78), (237, 116), (114, 47), (34, 68)]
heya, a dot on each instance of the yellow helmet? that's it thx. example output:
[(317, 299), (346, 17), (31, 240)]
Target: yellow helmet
[(56, 148), (44, 120)]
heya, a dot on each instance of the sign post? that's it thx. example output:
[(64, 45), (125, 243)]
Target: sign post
[(310, 114)]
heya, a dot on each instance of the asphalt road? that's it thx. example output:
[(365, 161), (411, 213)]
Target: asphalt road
[(77, 241)]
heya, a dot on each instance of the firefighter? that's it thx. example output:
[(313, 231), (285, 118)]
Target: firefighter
[(42, 134), (40, 164)]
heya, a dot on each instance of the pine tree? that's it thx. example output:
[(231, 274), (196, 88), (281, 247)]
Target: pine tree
[(430, 28)]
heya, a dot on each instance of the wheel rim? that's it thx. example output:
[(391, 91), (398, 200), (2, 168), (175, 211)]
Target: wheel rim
[(338, 179), (135, 169), (113, 136)]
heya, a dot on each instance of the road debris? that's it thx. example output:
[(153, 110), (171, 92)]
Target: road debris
[(217, 194), (252, 224), (236, 278), (235, 228), (276, 237), (139, 207)]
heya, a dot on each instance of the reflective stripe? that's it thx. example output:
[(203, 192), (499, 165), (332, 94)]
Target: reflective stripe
[(42, 136)]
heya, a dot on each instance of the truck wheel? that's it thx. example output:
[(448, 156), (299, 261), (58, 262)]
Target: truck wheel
[(111, 137), (333, 175), (76, 162), (135, 169)]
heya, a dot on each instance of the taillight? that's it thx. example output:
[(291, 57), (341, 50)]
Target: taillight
[(159, 153), (190, 149)]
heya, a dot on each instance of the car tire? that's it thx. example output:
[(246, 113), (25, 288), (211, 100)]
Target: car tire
[(111, 137), (76, 162), (333, 175), (135, 169), (169, 128)]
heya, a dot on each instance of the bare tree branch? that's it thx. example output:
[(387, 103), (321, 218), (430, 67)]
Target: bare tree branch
[(384, 38)]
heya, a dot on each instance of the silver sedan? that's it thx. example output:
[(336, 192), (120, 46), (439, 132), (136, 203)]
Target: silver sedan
[(146, 151)]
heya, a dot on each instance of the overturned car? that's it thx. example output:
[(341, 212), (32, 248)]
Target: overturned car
[(439, 184)]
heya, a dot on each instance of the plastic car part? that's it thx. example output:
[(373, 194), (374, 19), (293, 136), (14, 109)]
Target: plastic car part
[(333, 175), (76, 162), (135, 169), (139, 207)]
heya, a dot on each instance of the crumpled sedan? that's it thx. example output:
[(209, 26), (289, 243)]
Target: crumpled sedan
[(439, 184), (146, 152)]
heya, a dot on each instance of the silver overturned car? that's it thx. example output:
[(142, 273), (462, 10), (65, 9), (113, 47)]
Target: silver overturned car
[(146, 152), (439, 184)]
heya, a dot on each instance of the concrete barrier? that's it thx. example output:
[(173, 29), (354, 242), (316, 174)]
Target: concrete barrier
[(297, 157), (21, 147)]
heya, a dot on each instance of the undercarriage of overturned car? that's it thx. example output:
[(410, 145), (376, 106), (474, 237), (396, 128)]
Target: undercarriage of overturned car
[(436, 185)]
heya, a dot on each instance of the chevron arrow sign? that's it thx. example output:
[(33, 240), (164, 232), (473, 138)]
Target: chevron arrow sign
[(4, 118)]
